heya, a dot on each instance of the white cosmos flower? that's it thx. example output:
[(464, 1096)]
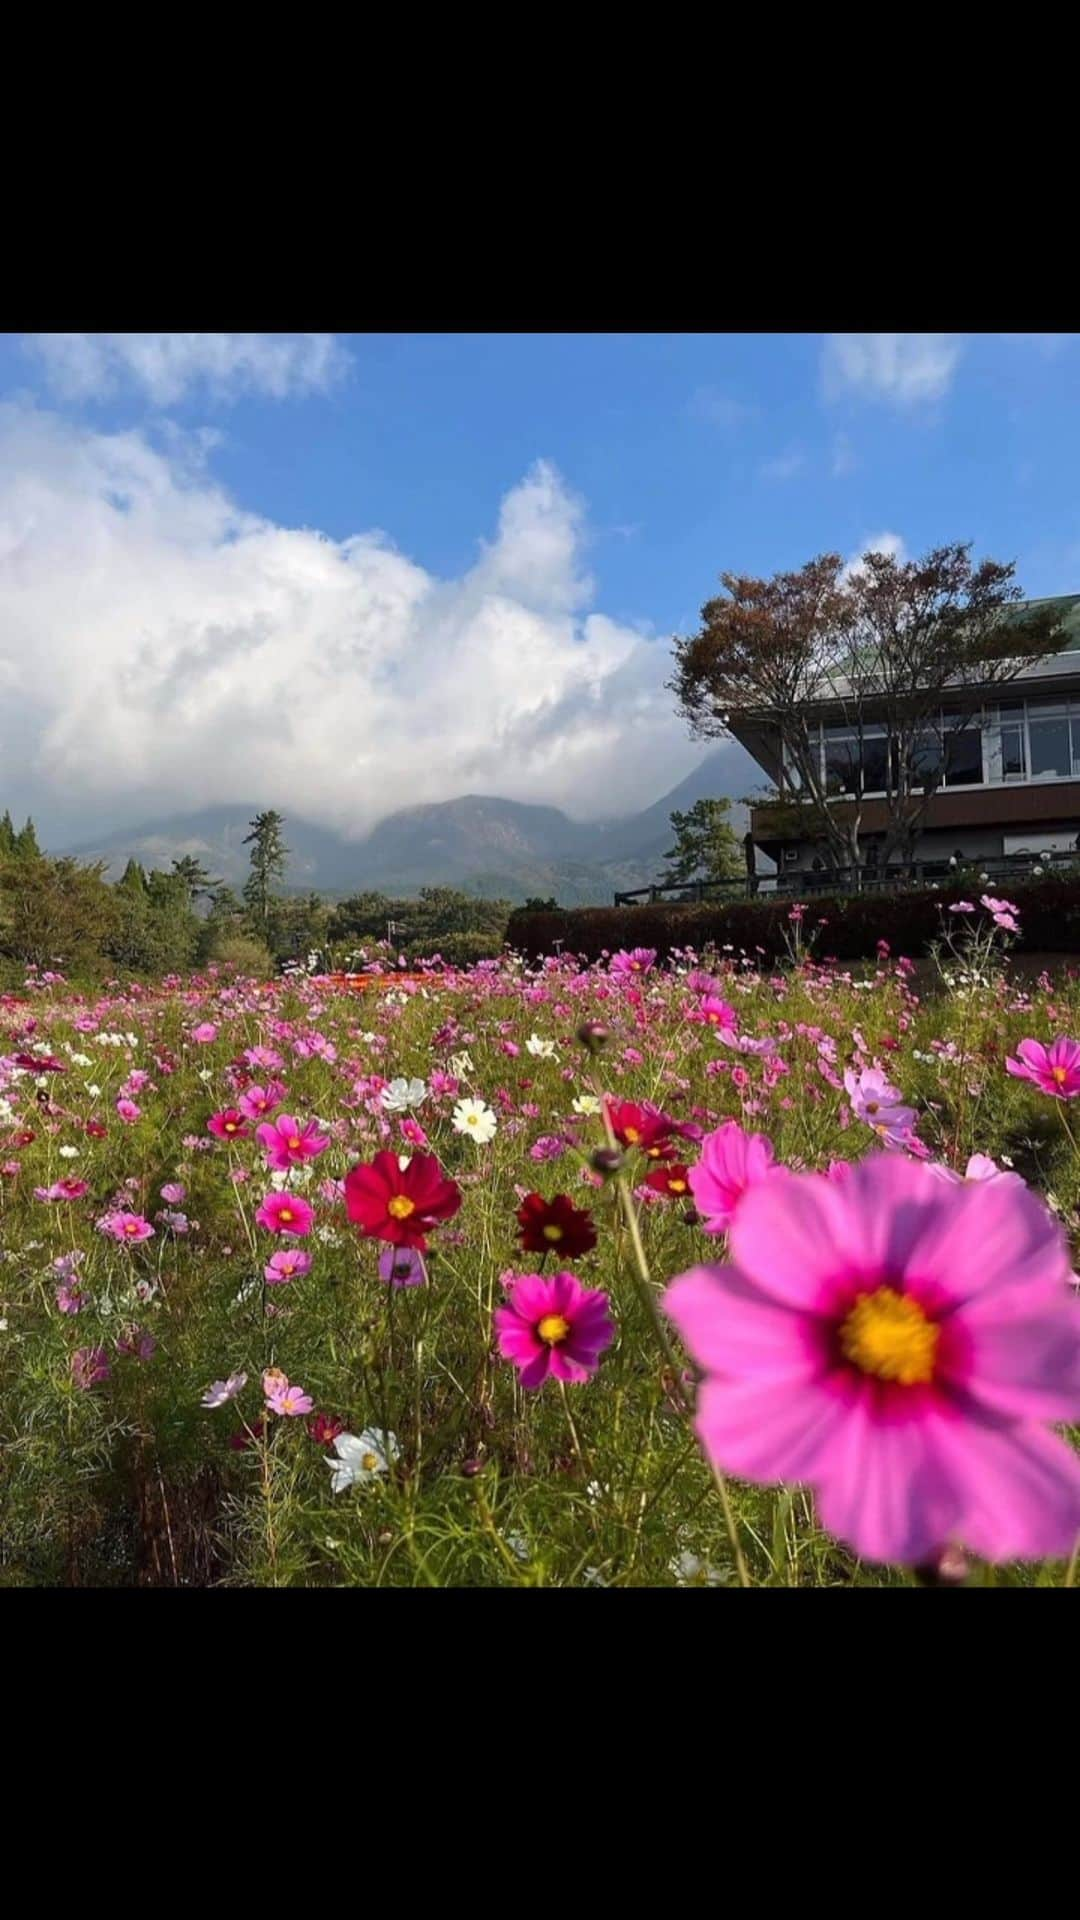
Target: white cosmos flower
[(93, 1090), (476, 1119), (402, 1094), (68, 1153), (541, 1049), (360, 1456), (690, 1571), (586, 1103), (80, 1059)]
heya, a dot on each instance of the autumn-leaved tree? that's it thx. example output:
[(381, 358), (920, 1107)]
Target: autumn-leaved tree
[(888, 652)]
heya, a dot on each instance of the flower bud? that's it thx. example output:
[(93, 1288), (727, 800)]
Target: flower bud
[(607, 1160), (470, 1468), (593, 1036)]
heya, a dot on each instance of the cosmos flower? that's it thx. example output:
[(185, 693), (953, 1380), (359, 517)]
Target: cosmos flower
[(732, 1161), (257, 1103), (130, 1228), (288, 1265), (555, 1226), (89, 1366), (361, 1457), (671, 1178), (402, 1267), (227, 1125), (474, 1118), (630, 964), (1054, 1069), (400, 1204), (899, 1343), (287, 1213), (552, 1325), (644, 1127), (288, 1144), (223, 1390), (401, 1094)]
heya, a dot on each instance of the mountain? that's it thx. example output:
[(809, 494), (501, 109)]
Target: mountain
[(485, 845)]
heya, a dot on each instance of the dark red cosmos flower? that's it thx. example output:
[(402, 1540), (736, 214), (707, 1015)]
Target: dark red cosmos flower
[(95, 1129), (643, 1127), (399, 1204), (39, 1063), (324, 1428), (23, 1139), (247, 1436), (555, 1226), (672, 1179)]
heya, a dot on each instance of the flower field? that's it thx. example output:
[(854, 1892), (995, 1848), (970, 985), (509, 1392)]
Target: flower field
[(609, 1275)]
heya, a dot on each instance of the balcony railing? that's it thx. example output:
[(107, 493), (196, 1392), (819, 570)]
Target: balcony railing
[(891, 879)]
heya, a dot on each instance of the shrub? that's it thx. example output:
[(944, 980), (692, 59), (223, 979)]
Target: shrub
[(909, 921), (248, 956)]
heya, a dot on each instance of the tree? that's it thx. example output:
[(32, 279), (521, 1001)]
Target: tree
[(706, 845), (269, 856), (26, 843), (191, 871), (55, 913), (133, 880), (7, 837), (886, 651)]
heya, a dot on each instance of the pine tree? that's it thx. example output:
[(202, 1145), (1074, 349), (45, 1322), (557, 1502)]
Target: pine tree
[(706, 845), (269, 855), (7, 837), (189, 868), (26, 843), (133, 880)]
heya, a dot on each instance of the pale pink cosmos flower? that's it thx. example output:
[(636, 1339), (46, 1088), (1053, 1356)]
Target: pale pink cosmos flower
[(880, 1104), (289, 1265), (287, 1143), (962, 906), (205, 1033), (979, 1167), (174, 1192), (130, 1228), (128, 1111), (900, 1343), (1054, 1069), (89, 1366), (282, 1396), (732, 1161), (223, 1390)]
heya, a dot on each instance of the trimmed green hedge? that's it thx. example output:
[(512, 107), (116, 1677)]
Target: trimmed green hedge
[(909, 921)]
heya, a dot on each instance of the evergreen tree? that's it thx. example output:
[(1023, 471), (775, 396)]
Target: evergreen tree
[(26, 843), (269, 855), (706, 845), (133, 880), (7, 837), (191, 871)]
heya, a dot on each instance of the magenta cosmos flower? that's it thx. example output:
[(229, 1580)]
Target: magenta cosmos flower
[(637, 960), (1055, 1069), (256, 1103), (553, 1325), (732, 1162), (288, 1144), (899, 1343), (285, 1213), (129, 1227)]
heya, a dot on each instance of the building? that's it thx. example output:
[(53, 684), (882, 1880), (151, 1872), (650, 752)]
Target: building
[(1007, 784)]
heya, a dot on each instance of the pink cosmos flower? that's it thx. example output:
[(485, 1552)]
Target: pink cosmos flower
[(284, 1398), (732, 1161), (89, 1365), (289, 1265), (1054, 1069), (637, 960), (174, 1192), (874, 1100), (128, 1111), (62, 1190), (264, 1057), (553, 1325), (137, 1344), (255, 1103), (711, 1011), (128, 1227), (71, 1296), (223, 1390), (288, 1144), (997, 906), (962, 906), (205, 1033), (979, 1167), (899, 1343), (285, 1213)]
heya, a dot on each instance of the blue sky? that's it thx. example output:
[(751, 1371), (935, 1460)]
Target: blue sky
[(180, 517)]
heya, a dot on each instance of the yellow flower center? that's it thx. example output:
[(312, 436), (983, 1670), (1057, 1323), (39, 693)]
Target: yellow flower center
[(286, 1213), (294, 1142), (369, 1462), (400, 1207), (888, 1335), (1060, 1074), (553, 1328), (551, 1231), (676, 1186), (230, 1126), (632, 1135), (130, 1227)]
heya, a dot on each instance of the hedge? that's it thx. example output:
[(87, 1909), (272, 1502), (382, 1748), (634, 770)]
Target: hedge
[(909, 921)]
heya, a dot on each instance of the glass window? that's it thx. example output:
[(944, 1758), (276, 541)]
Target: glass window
[(963, 757), (926, 758), (1012, 753), (875, 756), (1076, 744), (840, 765), (1051, 752)]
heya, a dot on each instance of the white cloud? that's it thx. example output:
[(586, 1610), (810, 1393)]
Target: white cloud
[(166, 366), (902, 368), (783, 466), (720, 409), (892, 543), (162, 650)]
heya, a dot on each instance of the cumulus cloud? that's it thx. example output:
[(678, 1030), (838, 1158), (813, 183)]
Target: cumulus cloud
[(901, 368), (164, 367), (162, 649), (891, 543)]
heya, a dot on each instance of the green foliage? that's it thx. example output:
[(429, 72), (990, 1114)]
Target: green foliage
[(242, 951), (55, 913), (432, 923), (269, 857), (706, 845)]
